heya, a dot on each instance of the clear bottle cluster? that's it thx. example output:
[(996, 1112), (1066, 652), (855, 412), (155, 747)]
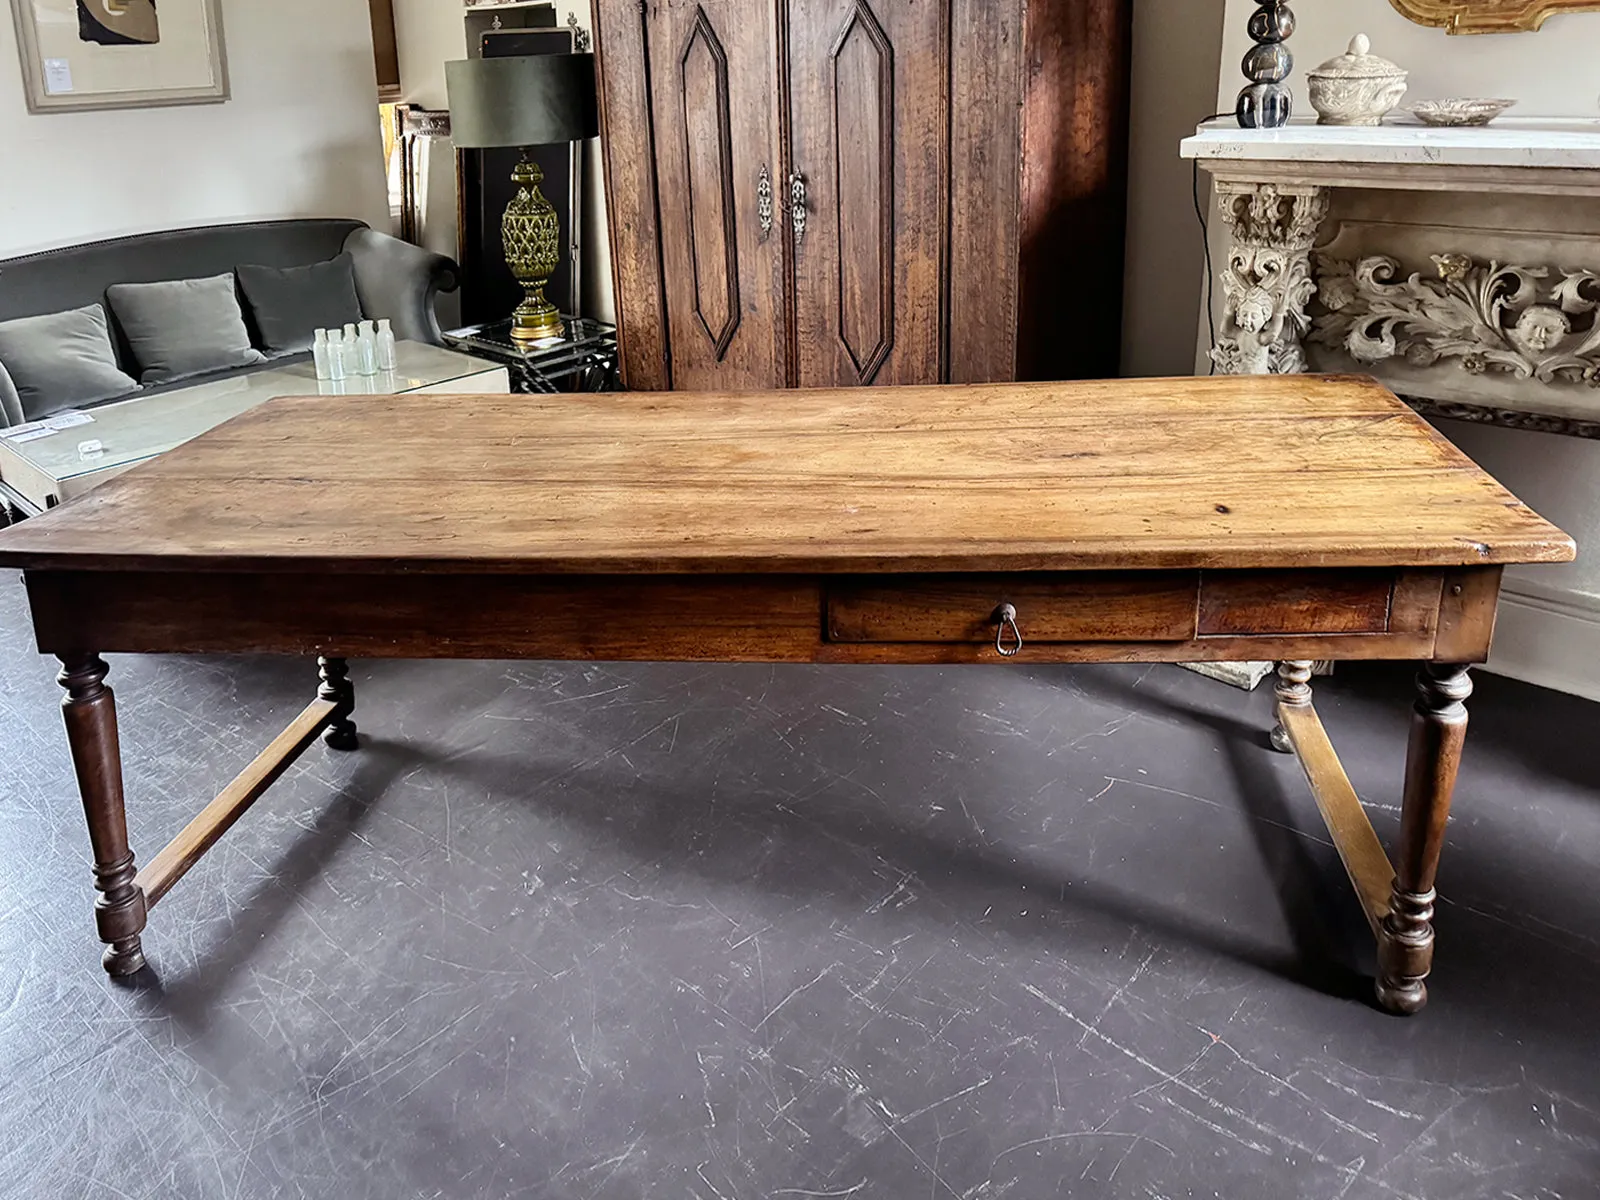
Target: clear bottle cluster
[(355, 350)]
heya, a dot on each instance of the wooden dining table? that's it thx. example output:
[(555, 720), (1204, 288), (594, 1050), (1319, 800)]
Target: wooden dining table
[(1292, 519)]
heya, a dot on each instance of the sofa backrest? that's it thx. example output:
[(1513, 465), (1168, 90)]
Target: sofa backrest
[(73, 276)]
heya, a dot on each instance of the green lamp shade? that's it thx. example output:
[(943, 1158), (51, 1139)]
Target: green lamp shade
[(532, 100)]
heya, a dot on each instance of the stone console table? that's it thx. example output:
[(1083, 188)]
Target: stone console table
[(1460, 266)]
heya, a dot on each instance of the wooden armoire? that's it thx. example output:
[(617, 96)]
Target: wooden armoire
[(818, 193)]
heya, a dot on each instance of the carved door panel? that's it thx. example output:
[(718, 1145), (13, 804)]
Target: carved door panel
[(714, 107), (870, 124)]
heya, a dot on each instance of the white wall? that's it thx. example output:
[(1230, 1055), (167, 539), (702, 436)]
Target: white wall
[(433, 32), (1175, 45), (299, 137), (1553, 72), (1549, 629)]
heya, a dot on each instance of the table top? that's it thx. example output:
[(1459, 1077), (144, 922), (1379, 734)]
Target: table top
[(495, 338), (142, 427), (1288, 471)]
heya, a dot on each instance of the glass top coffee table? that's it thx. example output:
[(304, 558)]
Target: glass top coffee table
[(41, 467), (584, 359)]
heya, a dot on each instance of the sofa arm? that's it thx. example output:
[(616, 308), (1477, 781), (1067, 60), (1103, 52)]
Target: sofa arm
[(400, 281), (10, 403)]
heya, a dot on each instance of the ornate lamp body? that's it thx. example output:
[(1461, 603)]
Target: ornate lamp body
[(531, 231), (1268, 103)]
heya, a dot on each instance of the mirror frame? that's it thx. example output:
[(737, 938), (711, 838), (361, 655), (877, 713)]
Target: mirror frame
[(1489, 16)]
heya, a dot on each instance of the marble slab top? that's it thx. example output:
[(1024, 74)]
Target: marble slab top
[(1530, 142)]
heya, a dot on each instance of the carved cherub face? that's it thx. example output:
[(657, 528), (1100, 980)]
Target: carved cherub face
[(1541, 328), (1254, 311)]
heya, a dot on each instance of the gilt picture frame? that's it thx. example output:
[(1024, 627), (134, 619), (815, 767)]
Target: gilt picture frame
[(80, 55), (1489, 16)]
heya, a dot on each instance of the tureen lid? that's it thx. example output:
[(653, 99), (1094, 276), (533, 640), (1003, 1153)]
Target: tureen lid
[(1359, 63)]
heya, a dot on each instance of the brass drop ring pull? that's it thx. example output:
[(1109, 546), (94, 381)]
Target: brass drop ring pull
[(1006, 614)]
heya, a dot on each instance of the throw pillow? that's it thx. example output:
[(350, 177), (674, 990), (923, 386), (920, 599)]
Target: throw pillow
[(184, 327), (62, 360), (290, 305)]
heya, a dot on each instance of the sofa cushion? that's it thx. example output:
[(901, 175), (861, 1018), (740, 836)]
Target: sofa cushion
[(184, 327), (291, 304), (62, 360)]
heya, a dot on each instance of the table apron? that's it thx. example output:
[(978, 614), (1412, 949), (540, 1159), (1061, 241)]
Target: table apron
[(1444, 614)]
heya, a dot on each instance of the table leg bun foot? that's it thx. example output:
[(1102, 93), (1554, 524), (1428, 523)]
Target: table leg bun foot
[(341, 735), (1402, 997), (123, 957), (1405, 952), (1280, 740)]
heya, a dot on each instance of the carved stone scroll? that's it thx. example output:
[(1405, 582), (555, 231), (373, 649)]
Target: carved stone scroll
[(1267, 283), (1530, 323)]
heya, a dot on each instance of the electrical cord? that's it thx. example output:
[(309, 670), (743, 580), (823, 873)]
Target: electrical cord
[(1205, 244)]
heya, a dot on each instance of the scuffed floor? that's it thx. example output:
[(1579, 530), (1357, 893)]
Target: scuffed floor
[(740, 933)]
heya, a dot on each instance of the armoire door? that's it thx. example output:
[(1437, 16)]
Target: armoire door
[(714, 110), (869, 125)]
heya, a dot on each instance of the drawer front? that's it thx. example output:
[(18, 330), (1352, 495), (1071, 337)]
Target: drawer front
[(1144, 606), (1266, 603)]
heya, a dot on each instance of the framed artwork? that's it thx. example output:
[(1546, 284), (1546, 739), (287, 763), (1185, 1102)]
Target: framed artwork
[(1489, 16), (86, 54)]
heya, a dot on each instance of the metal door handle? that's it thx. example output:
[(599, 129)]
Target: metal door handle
[(1006, 615), (797, 206), (764, 202)]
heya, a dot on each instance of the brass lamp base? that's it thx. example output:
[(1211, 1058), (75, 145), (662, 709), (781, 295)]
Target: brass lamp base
[(531, 232), (531, 324)]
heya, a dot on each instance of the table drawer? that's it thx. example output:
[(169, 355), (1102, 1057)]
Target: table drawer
[(1144, 606), (1264, 603)]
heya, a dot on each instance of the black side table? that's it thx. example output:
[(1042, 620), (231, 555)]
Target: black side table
[(584, 361)]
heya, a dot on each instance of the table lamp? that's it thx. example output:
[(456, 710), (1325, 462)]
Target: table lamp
[(533, 100)]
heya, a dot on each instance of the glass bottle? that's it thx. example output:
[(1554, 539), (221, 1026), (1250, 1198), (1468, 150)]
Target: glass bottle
[(367, 349), (386, 351), (337, 356), (319, 353)]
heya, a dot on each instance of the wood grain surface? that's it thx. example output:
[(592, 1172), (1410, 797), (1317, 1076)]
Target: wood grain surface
[(965, 164), (1224, 473), (623, 76), (1359, 848), (870, 124), (1133, 606), (610, 618), (1263, 602), (158, 876), (716, 127)]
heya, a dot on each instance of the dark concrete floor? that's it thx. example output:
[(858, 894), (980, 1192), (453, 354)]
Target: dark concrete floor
[(739, 933)]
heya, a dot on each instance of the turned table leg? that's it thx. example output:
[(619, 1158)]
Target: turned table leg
[(91, 718), (336, 685), (1294, 690), (1405, 939)]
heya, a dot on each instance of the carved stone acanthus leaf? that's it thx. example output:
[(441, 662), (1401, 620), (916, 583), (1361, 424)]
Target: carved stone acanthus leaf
[(1267, 283), (1533, 323)]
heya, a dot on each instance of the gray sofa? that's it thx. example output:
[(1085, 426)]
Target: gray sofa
[(393, 279)]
